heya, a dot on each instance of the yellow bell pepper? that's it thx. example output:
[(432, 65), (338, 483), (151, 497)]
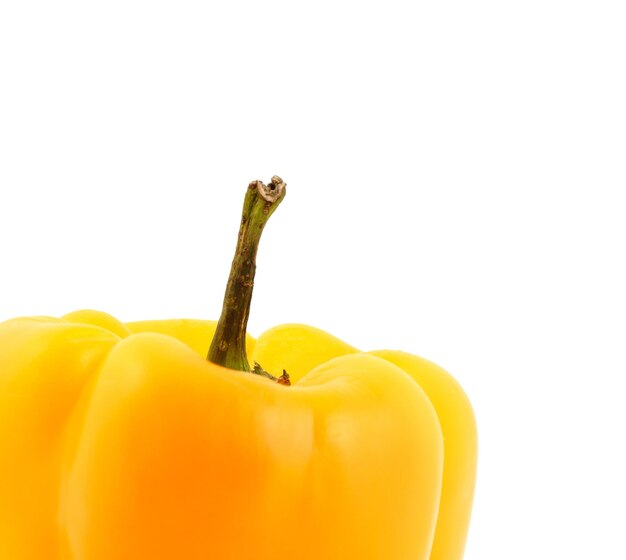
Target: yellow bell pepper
[(121, 441)]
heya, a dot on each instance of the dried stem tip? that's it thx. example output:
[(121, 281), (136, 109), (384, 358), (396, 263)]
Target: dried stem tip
[(270, 192)]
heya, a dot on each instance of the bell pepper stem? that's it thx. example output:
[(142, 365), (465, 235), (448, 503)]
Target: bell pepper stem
[(228, 347)]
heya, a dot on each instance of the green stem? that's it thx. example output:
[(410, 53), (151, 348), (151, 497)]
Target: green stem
[(228, 347)]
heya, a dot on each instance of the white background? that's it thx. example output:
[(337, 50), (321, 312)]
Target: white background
[(455, 174)]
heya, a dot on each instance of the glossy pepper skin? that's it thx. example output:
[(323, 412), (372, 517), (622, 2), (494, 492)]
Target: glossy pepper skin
[(121, 441)]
